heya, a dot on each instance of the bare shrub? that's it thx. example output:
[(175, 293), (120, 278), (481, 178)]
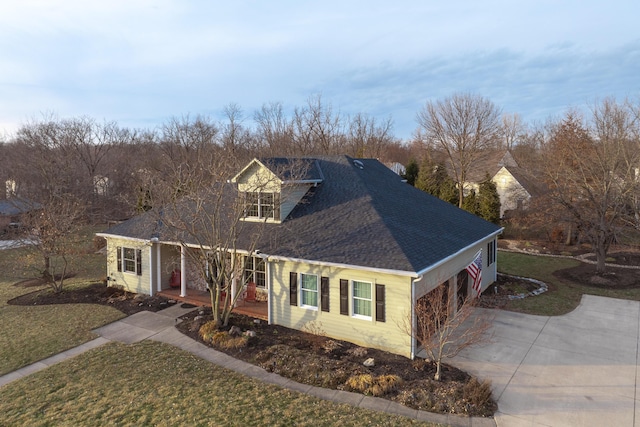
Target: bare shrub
[(476, 392), (208, 330), (374, 385)]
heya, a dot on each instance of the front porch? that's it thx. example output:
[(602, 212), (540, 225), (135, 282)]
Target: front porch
[(258, 310)]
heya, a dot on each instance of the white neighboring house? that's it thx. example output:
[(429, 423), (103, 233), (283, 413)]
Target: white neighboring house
[(513, 184)]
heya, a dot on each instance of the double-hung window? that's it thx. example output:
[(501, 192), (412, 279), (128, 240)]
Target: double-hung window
[(129, 260), (309, 290), (263, 205), (255, 271), (491, 252), (361, 299)]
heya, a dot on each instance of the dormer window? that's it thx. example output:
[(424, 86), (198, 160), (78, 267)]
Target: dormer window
[(263, 205)]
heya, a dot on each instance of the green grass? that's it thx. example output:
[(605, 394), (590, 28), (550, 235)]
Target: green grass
[(150, 383), (562, 297)]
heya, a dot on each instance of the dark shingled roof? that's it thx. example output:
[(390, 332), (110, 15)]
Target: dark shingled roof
[(288, 169), (358, 216), (17, 206)]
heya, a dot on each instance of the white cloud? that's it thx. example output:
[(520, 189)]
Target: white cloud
[(153, 59)]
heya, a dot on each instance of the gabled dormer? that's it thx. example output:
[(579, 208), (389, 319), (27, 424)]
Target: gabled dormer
[(272, 187)]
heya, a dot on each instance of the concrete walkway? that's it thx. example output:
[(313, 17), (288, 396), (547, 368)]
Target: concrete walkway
[(160, 327), (580, 369)]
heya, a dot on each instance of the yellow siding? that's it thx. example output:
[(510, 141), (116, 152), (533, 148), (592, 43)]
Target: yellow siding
[(257, 178), (130, 281), (389, 335), (448, 269)]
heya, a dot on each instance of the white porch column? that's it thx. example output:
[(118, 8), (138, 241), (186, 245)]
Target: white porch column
[(151, 269), (234, 280), (158, 268), (183, 271), (268, 273)]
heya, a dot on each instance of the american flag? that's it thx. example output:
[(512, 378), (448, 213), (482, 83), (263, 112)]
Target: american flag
[(475, 271)]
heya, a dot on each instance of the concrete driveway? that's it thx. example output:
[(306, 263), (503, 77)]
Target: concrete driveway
[(579, 369)]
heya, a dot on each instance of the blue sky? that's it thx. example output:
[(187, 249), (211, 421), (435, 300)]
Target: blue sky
[(140, 62)]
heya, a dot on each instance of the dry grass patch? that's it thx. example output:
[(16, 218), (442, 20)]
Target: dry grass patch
[(29, 334), (373, 385), (155, 384)]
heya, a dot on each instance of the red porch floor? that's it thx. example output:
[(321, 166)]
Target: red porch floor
[(257, 310)]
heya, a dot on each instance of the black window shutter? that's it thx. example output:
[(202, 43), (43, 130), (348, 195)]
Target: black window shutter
[(293, 288), (119, 252), (139, 262), (324, 293), (344, 297), (380, 314)]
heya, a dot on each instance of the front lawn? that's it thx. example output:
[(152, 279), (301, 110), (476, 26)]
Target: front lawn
[(564, 295), (29, 334), (150, 383)]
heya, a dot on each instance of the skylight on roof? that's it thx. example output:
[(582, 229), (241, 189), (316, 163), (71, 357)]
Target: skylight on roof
[(358, 164)]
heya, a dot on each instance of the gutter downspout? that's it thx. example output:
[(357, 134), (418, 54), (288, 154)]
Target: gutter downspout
[(413, 315)]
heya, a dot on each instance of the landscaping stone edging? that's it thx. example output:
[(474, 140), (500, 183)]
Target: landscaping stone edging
[(581, 258), (542, 287)]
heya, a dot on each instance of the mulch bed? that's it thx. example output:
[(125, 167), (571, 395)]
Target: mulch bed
[(613, 278), (499, 293), (303, 357), (96, 293), (324, 362)]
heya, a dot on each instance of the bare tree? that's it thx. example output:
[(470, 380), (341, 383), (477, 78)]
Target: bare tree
[(234, 136), (52, 229), (446, 325), (210, 222), (462, 126), (512, 129), (275, 129), (317, 130), (367, 138), (591, 172)]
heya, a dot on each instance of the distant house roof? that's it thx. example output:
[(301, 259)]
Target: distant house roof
[(529, 183), (17, 206), (362, 214), (489, 163)]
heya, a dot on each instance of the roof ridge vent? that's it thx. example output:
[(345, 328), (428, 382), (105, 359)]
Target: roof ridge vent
[(358, 164)]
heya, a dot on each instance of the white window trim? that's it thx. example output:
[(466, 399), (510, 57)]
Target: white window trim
[(124, 261), (353, 298), (256, 260), (274, 205), (302, 290)]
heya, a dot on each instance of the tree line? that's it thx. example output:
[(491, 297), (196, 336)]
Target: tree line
[(82, 169)]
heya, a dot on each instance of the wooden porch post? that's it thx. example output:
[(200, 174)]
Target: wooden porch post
[(183, 271)]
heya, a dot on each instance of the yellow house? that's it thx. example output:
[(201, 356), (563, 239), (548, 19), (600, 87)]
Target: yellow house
[(343, 246)]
